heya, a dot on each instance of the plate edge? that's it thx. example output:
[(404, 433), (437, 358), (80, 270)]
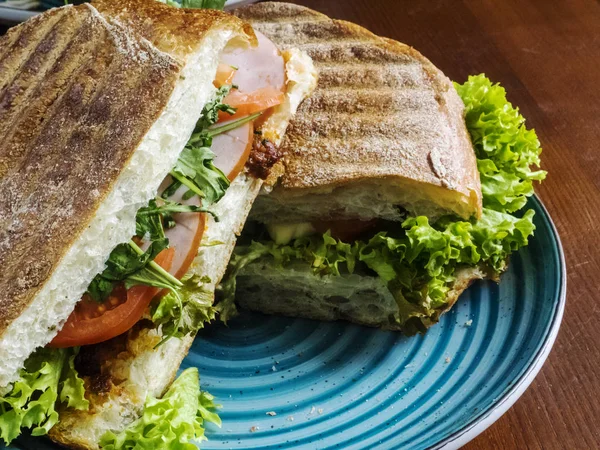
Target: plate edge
[(508, 399)]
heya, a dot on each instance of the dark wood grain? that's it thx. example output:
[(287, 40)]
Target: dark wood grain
[(547, 55)]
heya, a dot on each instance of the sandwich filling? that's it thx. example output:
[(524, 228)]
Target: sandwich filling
[(416, 263), (145, 278)]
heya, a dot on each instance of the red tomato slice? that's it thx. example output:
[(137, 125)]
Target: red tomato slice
[(91, 323), (232, 149), (253, 102), (225, 74), (346, 230)]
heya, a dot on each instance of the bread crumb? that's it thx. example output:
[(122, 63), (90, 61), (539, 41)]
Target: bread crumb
[(312, 410), (290, 418), (271, 413), (254, 429), (274, 369), (448, 359), (320, 410), (468, 323)]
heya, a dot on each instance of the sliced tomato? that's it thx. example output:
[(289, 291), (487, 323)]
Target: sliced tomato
[(346, 230), (225, 74), (232, 149), (250, 103), (91, 322)]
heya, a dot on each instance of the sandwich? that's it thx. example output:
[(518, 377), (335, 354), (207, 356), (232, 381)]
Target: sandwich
[(136, 136), (401, 188)]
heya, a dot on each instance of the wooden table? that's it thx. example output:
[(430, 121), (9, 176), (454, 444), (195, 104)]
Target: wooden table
[(547, 55)]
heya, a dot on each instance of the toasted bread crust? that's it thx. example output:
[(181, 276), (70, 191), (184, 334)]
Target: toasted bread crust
[(176, 31), (381, 110), (69, 85)]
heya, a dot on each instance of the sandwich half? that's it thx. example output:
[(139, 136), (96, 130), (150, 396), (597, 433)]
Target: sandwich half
[(400, 188), (136, 136)]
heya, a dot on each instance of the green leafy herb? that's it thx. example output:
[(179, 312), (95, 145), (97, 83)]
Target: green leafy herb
[(149, 223), (48, 376), (171, 422), (160, 216), (127, 262), (420, 259), (210, 112), (195, 166), (186, 311)]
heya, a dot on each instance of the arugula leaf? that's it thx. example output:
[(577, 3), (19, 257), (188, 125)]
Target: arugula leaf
[(155, 215), (195, 164), (186, 311), (148, 223), (127, 264), (195, 168), (171, 422), (210, 113), (48, 376)]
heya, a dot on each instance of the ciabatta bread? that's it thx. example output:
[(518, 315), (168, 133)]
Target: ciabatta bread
[(383, 132), (92, 116), (125, 370)]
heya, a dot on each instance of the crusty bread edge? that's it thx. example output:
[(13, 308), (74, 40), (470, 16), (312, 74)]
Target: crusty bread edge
[(212, 260)]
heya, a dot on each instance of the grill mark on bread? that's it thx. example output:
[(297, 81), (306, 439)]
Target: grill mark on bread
[(36, 98), (280, 12), (27, 40), (59, 169), (422, 112), (350, 75), (367, 100), (312, 33)]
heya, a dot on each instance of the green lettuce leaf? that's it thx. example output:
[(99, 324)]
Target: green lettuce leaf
[(49, 375), (72, 392), (419, 259), (507, 152), (171, 422), (186, 311)]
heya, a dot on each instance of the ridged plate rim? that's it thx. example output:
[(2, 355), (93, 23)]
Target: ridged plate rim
[(488, 417)]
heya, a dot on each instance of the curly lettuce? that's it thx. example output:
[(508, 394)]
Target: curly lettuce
[(49, 377), (186, 311), (171, 422), (419, 260), (507, 152)]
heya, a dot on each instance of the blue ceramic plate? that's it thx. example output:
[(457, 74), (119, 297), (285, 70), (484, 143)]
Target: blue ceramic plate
[(291, 383)]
